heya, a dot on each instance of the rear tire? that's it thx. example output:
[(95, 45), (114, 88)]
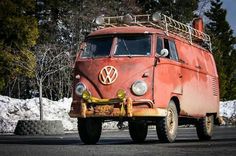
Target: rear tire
[(89, 130), (138, 131), (167, 127), (204, 127)]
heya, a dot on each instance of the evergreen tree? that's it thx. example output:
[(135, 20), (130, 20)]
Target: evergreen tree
[(181, 10), (18, 34), (223, 49)]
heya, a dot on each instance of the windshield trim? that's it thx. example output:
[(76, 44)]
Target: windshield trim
[(100, 36), (114, 46), (149, 36)]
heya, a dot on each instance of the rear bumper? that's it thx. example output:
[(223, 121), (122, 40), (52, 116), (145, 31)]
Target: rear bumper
[(105, 108)]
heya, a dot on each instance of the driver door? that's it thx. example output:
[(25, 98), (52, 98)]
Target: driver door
[(168, 76)]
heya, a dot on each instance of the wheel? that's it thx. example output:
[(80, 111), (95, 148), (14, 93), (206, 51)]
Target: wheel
[(138, 131), (204, 127), (167, 127), (89, 130)]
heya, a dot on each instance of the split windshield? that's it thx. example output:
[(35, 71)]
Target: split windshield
[(97, 47), (135, 45)]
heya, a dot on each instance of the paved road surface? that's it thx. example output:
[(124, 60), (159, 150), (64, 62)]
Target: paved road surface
[(119, 143)]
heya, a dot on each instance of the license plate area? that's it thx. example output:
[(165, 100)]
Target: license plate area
[(104, 109)]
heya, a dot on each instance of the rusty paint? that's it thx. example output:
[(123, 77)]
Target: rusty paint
[(129, 107), (183, 113), (148, 112), (106, 109), (125, 30), (190, 79), (198, 24), (83, 109)]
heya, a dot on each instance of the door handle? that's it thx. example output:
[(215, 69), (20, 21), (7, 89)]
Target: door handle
[(180, 75), (198, 66), (182, 61)]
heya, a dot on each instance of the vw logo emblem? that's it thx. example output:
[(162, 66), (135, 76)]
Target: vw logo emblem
[(108, 75)]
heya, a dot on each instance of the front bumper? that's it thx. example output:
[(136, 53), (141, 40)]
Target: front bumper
[(126, 107)]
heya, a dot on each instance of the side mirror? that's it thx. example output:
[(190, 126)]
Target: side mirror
[(82, 46), (81, 49), (164, 52)]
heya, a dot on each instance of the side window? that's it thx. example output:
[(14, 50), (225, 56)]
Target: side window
[(166, 45), (159, 45), (173, 51), (170, 45)]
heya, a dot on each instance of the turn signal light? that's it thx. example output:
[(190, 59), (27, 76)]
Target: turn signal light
[(86, 95), (121, 94)]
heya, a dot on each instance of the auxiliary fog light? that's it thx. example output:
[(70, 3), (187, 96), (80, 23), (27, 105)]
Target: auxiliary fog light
[(127, 19), (99, 20), (121, 94), (156, 16), (86, 95)]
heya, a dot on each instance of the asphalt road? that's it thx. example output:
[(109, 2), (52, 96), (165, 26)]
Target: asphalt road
[(119, 143)]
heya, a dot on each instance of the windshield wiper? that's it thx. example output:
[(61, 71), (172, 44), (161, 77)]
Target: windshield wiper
[(126, 48)]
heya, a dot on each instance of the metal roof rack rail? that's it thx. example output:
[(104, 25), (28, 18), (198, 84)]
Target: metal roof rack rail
[(157, 20)]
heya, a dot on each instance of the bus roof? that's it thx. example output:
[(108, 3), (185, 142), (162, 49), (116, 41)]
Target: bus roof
[(126, 30)]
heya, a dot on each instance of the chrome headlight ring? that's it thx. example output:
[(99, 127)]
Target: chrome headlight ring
[(139, 87), (80, 88)]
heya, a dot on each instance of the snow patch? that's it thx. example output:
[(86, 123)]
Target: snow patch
[(228, 112), (12, 110), (228, 109)]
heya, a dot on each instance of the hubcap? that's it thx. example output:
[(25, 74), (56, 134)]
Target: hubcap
[(170, 121), (208, 124)]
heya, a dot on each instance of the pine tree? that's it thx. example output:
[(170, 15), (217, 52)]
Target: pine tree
[(18, 34), (223, 49), (181, 10)]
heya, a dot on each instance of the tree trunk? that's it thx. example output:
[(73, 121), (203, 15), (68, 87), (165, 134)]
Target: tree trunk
[(18, 88), (40, 99)]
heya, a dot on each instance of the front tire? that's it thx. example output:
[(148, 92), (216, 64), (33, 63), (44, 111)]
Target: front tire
[(204, 127), (167, 127), (138, 131), (89, 130)]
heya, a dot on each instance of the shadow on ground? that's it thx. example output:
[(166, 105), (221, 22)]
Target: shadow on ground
[(104, 141)]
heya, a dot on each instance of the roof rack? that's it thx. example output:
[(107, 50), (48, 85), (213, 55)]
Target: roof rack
[(160, 21)]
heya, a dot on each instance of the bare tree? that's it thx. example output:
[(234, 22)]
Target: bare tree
[(203, 5), (50, 59)]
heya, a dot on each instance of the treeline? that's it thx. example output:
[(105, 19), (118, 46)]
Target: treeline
[(39, 40)]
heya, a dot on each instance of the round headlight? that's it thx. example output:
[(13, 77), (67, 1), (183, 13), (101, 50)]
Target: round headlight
[(139, 87), (80, 88)]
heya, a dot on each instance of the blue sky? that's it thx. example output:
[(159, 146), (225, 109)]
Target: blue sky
[(230, 6)]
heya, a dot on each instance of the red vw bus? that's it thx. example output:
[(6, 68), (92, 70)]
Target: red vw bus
[(147, 70)]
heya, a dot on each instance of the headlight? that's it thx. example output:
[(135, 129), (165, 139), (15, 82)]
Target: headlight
[(139, 87), (80, 88)]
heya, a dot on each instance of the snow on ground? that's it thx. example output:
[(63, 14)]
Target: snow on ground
[(12, 110), (228, 109), (228, 112)]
